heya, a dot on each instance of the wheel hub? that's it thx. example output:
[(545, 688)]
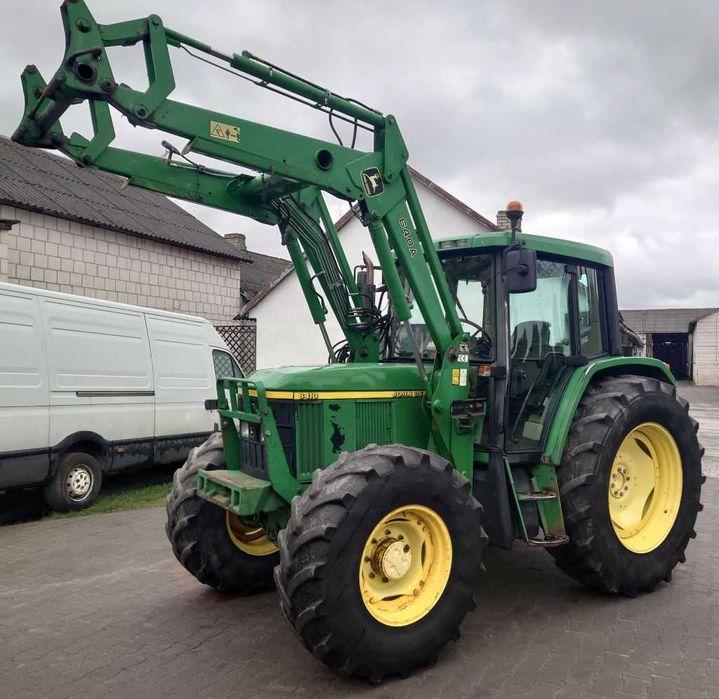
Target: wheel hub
[(78, 483), (619, 484), (405, 565), (392, 559)]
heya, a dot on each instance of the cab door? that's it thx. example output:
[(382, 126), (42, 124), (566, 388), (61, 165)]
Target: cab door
[(540, 338), (552, 330)]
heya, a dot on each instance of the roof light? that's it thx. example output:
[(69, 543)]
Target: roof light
[(514, 206)]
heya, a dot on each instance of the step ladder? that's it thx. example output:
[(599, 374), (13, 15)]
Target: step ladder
[(545, 493)]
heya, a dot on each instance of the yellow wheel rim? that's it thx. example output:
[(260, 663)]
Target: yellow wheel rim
[(405, 565), (251, 540), (645, 487)]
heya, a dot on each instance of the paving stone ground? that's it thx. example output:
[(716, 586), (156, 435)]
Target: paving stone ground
[(98, 607), (704, 406)]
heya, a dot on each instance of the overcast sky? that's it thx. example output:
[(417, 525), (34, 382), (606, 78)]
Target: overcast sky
[(601, 117)]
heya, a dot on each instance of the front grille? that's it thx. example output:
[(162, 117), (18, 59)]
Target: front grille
[(254, 451), (374, 422), (254, 457), (303, 429), (310, 437)]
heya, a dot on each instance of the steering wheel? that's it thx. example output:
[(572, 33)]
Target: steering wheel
[(484, 343)]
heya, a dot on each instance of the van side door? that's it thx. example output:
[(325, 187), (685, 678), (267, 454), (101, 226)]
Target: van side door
[(100, 377)]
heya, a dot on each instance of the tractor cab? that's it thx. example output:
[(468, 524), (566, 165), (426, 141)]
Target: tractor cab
[(537, 336)]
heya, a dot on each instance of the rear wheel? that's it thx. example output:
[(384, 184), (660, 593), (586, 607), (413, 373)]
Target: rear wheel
[(76, 483), (216, 546), (629, 484), (379, 560)]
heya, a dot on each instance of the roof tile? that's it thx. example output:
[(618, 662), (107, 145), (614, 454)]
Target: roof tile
[(52, 184)]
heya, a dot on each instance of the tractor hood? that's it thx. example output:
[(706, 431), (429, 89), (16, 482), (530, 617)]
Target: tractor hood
[(341, 377)]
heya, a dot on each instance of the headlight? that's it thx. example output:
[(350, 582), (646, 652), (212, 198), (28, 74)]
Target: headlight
[(245, 430)]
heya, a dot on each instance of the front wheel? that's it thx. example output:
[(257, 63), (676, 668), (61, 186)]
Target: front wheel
[(629, 484), (216, 546), (379, 560)]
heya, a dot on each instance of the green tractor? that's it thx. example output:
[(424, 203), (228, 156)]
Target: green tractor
[(479, 395)]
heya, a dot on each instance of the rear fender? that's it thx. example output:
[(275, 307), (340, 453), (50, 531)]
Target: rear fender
[(577, 385)]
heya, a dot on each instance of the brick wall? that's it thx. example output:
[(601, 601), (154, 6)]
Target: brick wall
[(706, 351), (60, 255)]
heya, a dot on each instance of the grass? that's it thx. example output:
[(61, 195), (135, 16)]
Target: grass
[(127, 499), (119, 493)]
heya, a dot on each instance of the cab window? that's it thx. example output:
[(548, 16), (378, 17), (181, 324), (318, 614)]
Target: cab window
[(589, 306)]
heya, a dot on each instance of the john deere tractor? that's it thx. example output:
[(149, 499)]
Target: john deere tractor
[(479, 393)]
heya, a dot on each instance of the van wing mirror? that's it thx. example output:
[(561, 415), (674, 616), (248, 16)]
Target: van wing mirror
[(519, 269)]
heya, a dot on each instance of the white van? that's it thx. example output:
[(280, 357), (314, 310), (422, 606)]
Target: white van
[(90, 387)]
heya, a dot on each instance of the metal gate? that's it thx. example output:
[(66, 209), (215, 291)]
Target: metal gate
[(672, 348), (241, 338)]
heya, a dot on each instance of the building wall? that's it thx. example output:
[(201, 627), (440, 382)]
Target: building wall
[(286, 334), (53, 253), (706, 351)]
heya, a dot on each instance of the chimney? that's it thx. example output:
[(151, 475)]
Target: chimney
[(504, 223), (238, 240)]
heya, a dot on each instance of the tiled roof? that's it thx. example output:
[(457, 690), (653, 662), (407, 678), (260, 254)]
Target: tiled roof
[(51, 184), (263, 271)]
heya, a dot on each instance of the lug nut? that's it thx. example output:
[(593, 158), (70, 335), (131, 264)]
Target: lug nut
[(406, 548), (385, 579), (371, 575)]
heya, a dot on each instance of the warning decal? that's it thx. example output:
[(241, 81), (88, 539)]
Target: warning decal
[(226, 132)]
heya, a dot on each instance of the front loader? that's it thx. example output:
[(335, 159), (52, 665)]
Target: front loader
[(479, 394)]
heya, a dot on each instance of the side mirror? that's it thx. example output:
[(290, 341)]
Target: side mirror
[(519, 269)]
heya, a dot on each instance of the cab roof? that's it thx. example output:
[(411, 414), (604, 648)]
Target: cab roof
[(540, 243)]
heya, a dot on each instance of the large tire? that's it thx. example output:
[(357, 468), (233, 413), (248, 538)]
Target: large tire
[(601, 554), (76, 483), (325, 568), (201, 533)]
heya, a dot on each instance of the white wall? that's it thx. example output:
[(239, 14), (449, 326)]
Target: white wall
[(285, 331), (51, 253), (706, 351)]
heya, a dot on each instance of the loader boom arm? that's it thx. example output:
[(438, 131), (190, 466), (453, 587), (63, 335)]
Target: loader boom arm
[(294, 170)]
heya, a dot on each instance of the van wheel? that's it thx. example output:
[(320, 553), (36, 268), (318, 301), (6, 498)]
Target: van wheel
[(76, 483)]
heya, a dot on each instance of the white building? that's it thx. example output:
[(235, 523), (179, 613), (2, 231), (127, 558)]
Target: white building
[(685, 338), (705, 350), (82, 231), (285, 331)]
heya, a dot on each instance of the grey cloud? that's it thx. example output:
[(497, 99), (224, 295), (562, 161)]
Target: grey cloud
[(601, 117)]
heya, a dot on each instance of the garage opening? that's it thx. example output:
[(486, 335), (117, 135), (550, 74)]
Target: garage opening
[(672, 348)]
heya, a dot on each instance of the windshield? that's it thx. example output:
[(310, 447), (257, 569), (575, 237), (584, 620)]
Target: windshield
[(471, 283)]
